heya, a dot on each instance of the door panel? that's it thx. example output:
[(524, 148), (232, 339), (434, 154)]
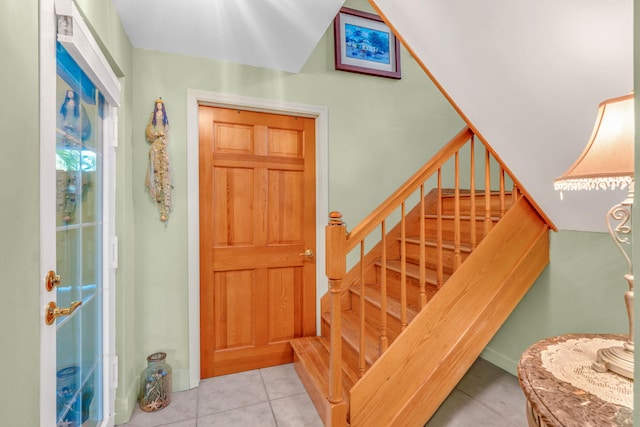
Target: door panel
[(285, 293), (257, 218), (234, 306)]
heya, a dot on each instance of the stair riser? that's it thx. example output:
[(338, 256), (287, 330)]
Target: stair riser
[(448, 204), (413, 287), (350, 354), (431, 254), (372, 317), (448, 229)]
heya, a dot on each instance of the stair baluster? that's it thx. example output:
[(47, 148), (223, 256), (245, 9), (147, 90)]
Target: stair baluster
[(423, 257), (361, 360), (439, 262), (384, 342), (403, 269), (487, 193), (456, 215), (472, 189), (502, 207)]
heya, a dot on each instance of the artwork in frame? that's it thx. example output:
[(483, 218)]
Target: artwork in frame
[(365, 44)]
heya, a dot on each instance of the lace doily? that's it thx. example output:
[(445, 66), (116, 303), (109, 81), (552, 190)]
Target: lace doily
[(571, 361)]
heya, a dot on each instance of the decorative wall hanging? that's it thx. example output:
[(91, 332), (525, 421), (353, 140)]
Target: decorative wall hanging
[(158, 180), (365, 44)]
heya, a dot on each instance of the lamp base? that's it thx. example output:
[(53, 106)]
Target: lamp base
[(615, 359)]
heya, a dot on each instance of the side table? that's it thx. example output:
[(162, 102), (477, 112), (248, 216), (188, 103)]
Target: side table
[(562, 389)]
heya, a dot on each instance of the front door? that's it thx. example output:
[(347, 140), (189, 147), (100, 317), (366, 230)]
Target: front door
[(257, 237)]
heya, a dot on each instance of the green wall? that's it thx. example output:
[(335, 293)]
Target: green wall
[(19, 216), (580, 291)]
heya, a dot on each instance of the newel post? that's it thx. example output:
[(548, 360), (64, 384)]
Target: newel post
[(336, 235)]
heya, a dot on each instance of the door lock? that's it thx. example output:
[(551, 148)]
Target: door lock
[(53, 311), (308, 253), (51, 280)]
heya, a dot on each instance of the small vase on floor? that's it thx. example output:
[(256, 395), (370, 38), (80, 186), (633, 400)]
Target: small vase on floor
[(155, 383)]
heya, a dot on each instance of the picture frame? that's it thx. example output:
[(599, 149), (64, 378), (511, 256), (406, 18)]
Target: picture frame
[(365, 44)]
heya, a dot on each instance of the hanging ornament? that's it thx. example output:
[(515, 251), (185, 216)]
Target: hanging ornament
[(158, 180)]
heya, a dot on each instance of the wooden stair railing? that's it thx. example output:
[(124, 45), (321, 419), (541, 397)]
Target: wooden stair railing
[(445, 221), (407, 383)]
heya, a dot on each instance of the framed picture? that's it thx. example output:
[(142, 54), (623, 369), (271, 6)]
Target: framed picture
[(365, 44)]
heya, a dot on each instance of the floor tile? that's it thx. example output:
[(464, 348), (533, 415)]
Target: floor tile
[(460, 410), (183, 407), (281, 381), (487, 396), (259, 415), (496, 389), (296, 411), (231, 392)]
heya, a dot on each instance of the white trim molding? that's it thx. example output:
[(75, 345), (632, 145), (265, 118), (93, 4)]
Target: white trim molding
[(75, 36), (198, 97)]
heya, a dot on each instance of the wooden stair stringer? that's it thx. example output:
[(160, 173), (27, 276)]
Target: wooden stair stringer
[(420, 368)]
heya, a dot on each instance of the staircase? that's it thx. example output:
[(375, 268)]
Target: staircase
[(403, 325)]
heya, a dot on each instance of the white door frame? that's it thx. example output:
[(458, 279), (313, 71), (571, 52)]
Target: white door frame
[(85, 51), (196, 98)]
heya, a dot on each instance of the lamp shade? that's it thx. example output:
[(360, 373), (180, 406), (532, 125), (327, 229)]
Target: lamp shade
[(607, 160)]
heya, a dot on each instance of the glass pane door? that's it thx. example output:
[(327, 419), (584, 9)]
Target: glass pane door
[(79, 237)]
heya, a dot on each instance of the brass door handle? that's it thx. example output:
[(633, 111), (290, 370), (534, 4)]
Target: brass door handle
[(308, 253), (51, 280), (53, 311)]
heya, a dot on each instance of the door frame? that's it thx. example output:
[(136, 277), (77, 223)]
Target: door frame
[(195, 98), (84, 49)]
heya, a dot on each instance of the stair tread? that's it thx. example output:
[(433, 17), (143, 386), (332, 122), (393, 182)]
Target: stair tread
[(413, 271), (313, 352), (394, 308), (464, 247), (450, 192), (350, 326)]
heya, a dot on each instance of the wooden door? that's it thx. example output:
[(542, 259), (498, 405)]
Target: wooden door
[(257, 220)]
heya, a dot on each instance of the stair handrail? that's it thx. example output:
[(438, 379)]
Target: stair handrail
[(392, 202)]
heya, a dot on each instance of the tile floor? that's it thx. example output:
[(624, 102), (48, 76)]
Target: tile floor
[(275, 397)]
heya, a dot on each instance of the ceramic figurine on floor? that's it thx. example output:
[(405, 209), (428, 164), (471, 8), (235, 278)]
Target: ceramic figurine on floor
[(158, 180)]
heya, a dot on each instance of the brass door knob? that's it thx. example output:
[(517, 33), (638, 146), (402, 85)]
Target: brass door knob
[(51, 280), (53, 311), (308, 253)]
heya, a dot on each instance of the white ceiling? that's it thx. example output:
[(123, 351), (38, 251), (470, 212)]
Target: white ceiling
[(278, 34)]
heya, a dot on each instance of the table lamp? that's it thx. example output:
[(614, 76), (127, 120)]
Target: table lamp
[(607, 163)]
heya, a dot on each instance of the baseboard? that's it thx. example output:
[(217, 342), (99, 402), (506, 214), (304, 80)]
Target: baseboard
[(181, 380), (500, 360), (124, 405)]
